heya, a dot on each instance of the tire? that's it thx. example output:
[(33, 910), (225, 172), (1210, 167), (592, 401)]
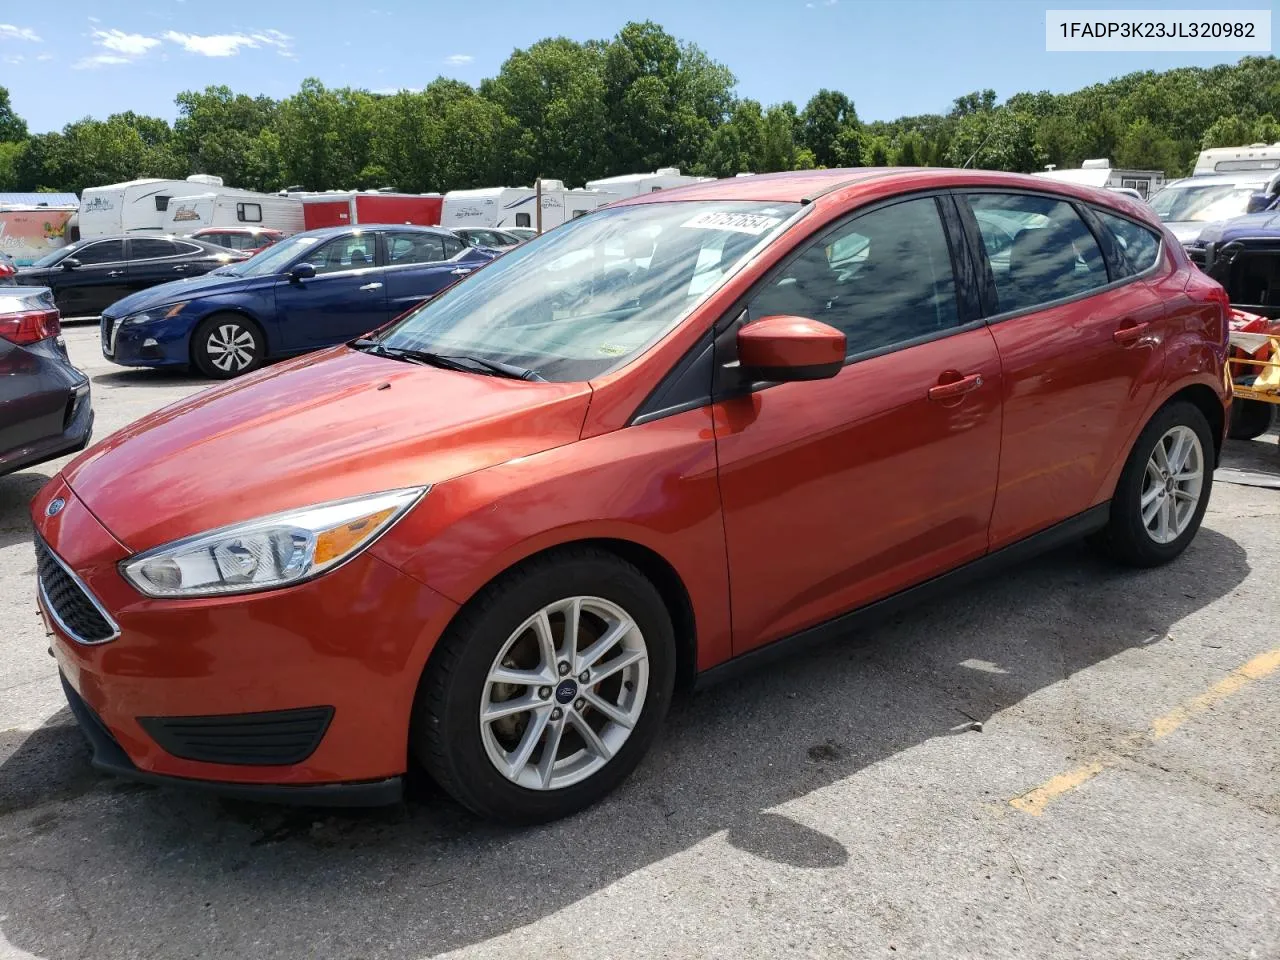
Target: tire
[(233, 329), (496, 631), (1127, 537), (1250, 419)]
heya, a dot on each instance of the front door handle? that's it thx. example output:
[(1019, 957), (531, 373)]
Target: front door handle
[(459, 271), (115, 273), (956, 388), (372, 286), (1134, 331)]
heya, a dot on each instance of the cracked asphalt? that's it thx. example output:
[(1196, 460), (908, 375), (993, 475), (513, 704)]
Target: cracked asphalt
[(853, 802)]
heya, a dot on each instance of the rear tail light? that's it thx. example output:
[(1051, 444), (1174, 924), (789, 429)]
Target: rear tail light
[(30, 327)]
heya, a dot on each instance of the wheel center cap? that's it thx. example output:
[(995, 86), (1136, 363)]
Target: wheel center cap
[(566, 690), (1168, 485)]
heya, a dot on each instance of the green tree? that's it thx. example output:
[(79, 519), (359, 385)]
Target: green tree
[(12, 127), (778, 137), (826, 116), (216, 131), (997, 139), (1144, 147)]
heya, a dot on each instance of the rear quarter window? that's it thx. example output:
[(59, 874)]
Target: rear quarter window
[(1140, 244)]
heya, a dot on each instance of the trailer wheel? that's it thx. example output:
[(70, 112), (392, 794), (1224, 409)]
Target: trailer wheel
[(1250, 419)]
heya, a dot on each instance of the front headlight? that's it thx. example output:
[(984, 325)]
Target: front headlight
[(272, 551), (163, 313)]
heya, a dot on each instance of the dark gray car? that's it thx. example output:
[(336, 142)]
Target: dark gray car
[(45, 410)]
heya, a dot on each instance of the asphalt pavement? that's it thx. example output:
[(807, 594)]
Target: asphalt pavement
[(1066, 760)]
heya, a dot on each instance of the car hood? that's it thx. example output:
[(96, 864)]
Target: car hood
[(175, 291), (331, 425), (1186, 231), (1266, 224)]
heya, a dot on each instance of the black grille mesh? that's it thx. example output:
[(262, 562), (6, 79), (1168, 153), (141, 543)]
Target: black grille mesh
[(279, 737), (68, 602)]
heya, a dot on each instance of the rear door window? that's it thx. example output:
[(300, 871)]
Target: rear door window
[(1038, 248), (1141, 245), (141, 248), (405, 248)]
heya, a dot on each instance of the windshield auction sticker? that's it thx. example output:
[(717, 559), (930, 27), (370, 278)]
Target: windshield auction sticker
[(752, 223), (1072, 31)]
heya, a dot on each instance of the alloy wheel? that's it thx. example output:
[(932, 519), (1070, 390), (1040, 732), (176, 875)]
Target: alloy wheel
[(564, 693), (231, 347), (1172, 484)]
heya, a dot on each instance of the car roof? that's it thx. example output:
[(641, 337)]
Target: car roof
[(866, 183), (340, 231), (1222, 179), (204, 230)]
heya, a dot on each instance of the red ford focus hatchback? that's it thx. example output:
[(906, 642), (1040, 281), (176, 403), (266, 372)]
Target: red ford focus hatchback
[(672, 436)]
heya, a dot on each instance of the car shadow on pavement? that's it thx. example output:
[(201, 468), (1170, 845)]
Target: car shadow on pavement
[(96, 868), (16, 491), (150, 377)]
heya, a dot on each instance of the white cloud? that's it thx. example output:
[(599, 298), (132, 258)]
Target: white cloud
[(458, 59), (14, 59), (129, 44), (100, 60), (230, 44), (46, 56), (9, 32), (390, 91)]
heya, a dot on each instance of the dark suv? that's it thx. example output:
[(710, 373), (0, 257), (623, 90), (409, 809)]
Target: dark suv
[(45, 410)]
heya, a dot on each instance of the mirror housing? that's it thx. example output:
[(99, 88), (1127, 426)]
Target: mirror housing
[(781, 349), (302, 271), (1257, 203), (69, 263)]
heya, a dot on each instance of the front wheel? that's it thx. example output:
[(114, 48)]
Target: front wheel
[(548, 689), (1163, 492), (227, 345)]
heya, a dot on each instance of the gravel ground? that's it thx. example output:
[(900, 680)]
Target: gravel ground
[(855, 802)]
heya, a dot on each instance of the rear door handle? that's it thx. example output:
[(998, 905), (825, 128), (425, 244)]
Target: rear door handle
[(956, 388), (1135, 331), (459, 271), (372, 286), (115, 273)]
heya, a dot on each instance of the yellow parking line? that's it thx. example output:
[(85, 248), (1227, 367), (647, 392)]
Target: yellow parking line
[(1035, 801)]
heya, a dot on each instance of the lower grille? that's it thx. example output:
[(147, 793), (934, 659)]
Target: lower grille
[(279, 737), (68, 602)]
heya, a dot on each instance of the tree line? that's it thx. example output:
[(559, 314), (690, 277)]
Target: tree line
[(642, 100)]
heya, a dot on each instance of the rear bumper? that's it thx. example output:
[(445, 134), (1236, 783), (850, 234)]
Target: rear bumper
[(109, 757), (74, 437)]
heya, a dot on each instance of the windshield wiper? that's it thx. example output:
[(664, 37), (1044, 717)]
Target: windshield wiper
[(445, 361)]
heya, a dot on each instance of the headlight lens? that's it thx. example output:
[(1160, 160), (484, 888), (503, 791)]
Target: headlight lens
[(269, 552), (163, 313)]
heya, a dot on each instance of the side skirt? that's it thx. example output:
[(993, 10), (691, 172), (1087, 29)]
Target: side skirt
[(1064, 532)]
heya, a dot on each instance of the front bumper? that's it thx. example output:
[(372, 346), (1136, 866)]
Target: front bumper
[(355, 641), (164, 343)]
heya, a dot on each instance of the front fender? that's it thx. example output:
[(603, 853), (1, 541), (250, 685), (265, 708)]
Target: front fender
[(653, 485)]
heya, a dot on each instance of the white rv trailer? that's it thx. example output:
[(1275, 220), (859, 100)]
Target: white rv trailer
[(1100, 173), (1254, 158), (227, 207), (133, 206), (516, 206), (634, 184)]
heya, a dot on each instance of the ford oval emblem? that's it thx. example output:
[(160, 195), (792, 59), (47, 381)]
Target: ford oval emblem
[(55, 507)]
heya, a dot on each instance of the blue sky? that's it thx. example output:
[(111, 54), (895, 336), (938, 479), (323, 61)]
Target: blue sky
[(73, 58)]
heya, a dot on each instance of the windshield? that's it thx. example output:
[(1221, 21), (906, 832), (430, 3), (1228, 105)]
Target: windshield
[(1212, 201), (273, 259), (49, 259), (594, 293)]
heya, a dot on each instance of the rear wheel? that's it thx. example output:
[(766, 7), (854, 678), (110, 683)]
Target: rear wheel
[(548, 689), (227, 345), (1250, 419), (1163, 492)]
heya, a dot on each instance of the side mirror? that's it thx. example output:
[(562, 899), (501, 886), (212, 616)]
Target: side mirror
[(302, 271), (69, 263), (790, 348), (1257, 203)]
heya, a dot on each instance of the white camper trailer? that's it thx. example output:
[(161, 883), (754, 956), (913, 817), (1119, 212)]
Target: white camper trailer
[(1255, 158), (634, 184), (1100, 173), (516, 206), (233, 208), (133, 206)]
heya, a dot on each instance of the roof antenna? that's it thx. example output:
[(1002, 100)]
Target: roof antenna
[(989, 135)]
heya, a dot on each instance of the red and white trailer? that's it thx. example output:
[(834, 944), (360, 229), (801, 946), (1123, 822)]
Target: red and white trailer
[(340, 208)]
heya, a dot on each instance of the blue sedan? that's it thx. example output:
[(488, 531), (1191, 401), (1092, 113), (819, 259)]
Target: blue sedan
[(313, 290)]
